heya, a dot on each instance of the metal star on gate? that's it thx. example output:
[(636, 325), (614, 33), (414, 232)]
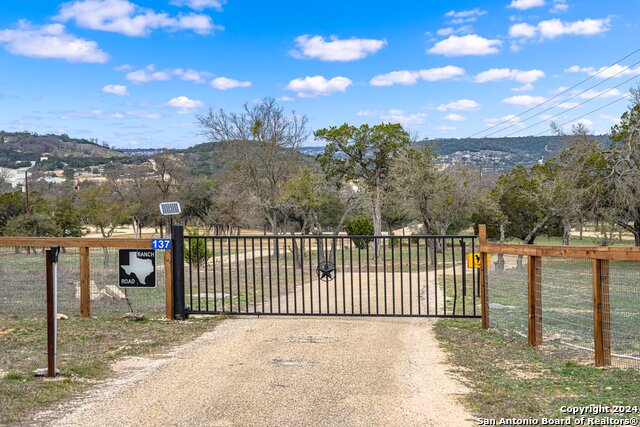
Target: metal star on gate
[(326, 270)]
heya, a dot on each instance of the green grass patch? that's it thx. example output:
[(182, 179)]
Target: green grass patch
[(85, 349), (508, 379)]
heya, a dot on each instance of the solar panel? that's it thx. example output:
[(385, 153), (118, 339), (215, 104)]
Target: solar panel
[(170, 208)]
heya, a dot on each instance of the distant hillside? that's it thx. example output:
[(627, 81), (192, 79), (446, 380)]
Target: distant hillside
[(18, 149), (532, 145), (209, 158), (496, 153)]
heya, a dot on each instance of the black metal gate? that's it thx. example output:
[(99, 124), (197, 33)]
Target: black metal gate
[(326, 275)]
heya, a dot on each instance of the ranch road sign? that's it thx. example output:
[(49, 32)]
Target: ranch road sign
[(137, 268)]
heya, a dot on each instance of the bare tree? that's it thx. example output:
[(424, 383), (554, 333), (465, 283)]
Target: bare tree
[(261, 148)]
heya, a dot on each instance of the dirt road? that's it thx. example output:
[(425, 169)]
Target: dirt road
[(283, 372)]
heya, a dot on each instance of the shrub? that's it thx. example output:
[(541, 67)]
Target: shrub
[(360, 226), (198, 252)]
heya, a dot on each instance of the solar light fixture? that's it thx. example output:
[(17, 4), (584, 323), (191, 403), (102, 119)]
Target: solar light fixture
[(170, 208)]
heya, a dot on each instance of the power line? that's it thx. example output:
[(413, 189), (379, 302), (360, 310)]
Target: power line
[(558, 95), (586, 114), (572, 97), (572, 108)]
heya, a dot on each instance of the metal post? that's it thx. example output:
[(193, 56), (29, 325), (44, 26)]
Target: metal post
[(178, 272), (52, 308)]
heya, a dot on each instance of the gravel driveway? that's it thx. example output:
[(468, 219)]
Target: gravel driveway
[(268, 371)]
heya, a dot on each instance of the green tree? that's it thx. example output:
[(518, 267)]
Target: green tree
[(363, 156), (68, 218), (32, 225)]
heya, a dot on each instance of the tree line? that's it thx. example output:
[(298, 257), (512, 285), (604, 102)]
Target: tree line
[(369, 174)]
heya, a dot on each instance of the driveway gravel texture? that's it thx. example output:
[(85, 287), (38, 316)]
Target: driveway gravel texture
[(275, 371)]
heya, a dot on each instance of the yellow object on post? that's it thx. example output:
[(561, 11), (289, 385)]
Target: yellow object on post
[(475, 261)]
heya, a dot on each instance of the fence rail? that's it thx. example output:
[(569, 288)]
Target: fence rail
[(578, 290), (84, 246)]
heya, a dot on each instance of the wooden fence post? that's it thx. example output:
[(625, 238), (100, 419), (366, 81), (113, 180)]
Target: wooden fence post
[(601, 312), (484, 297), (534, 292), (85, 289), (168, 283)]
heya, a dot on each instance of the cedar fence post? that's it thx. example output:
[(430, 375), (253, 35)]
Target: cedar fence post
[(534, 292), (601, 312), (484, 297), (168, 283), (85, 290)]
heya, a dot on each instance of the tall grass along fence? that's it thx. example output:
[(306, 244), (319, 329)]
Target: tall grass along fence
[(87, 279), (583, 300)]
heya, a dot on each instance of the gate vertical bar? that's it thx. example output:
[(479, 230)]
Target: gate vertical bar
[(177, 235)]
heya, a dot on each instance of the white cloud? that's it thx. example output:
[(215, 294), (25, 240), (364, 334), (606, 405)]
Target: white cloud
[(286, 99), (523, 30), (191, 75), (471, 44), (567, 105), (526, 4), (200, 4), (504, 121), (409, 77), (465, 29), (148, 115), (525, 100), (552, 28), (123, 67), (445, 129), (584, 122), (124, 17), (615, 70), (312, 86), (224, 83), (116, 89), (395, 115), (150, 74), (604, 93), (465, 13), (453, 117), (335, 49), (184, 105), (613, 119), (50, 41), (524, 88), (560, 6), (116, 115), (459, 105), (498, 74)]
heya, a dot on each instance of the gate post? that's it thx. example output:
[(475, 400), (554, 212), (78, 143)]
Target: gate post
[(484, 297), (177, 237), (601, 312), (534, 291)]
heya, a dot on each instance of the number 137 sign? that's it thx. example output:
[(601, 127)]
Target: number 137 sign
[(161, 244)]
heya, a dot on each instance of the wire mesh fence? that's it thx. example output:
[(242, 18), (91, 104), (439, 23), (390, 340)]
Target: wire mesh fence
[(567, 295), (567, 306), (23, 292), (508, 294), (624, 324)]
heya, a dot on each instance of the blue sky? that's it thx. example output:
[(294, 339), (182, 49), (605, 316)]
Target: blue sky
[(134, 73)]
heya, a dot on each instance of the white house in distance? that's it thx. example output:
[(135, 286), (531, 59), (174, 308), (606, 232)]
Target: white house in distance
[(15, 177)]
